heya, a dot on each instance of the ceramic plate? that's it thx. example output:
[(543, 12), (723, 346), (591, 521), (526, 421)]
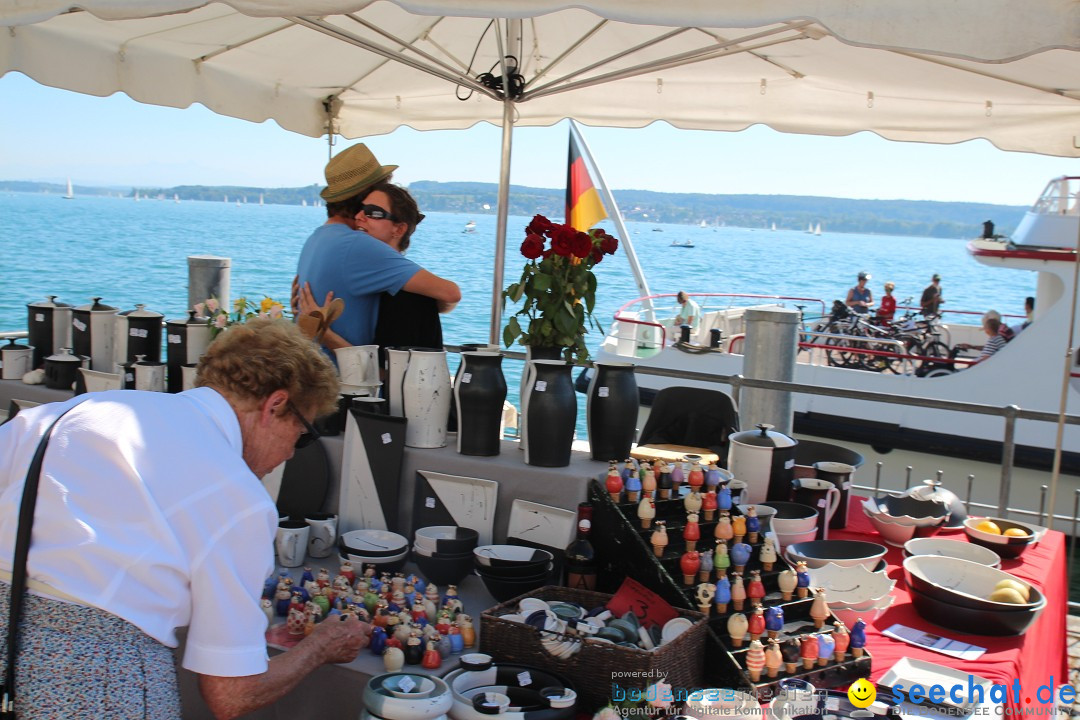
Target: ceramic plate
[(908, 672), (673, 628), (850, 585)]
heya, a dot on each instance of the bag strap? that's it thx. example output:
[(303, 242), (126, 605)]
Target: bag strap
[(18, 567)]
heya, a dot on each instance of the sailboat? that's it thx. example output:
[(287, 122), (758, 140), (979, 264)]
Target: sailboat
[(703, 224), (303, 202), (136, 196), (774, 227), (175, 198), (817, 229), (810, 229), (260, 198), (70, 195)]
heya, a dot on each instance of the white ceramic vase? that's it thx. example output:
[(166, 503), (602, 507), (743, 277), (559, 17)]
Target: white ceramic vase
[(426, 396), (397, 362)]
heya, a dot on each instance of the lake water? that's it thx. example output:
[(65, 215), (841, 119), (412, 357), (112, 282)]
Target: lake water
[(131, 252)]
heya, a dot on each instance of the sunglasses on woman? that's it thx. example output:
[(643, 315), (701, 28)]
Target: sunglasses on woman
[(309, 435), (377, 213)]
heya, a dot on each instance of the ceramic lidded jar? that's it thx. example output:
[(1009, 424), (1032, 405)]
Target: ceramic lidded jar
[(185, 342), (93, 329), (49, 325), (138, 332), (61, 369), (16, 359), (764, 459)]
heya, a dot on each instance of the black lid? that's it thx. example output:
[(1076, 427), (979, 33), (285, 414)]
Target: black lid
[(48, 302), (764, 436), (96, 306)]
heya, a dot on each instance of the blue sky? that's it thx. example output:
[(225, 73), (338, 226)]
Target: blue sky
[(48, 134)]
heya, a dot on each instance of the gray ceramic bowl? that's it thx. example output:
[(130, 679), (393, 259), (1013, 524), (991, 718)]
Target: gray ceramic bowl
[(817, 553)]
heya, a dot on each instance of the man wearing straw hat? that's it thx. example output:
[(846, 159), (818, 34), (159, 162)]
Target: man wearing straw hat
[(353, 265)]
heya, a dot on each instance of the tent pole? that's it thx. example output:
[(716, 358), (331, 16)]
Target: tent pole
[(503, 211)]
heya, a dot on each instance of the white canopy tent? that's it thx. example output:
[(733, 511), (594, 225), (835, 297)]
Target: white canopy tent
[(916, 70)]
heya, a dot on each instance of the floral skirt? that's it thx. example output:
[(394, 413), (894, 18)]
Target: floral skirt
[(81, 662)]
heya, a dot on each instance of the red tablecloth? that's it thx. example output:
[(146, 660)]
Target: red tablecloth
[(1034, 657)]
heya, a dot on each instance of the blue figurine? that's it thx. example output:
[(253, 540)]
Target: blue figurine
[(633, 485), (723, 498), (269, 587), (740, 554), (307, 576), (753, 525), (723, 594), (774, 620), (418, 584), (858, 637), (826, 647), (802, 578), (378, 641), (457, 643), (712, 479), (677, 476)]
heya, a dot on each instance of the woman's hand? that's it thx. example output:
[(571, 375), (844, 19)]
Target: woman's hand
[(306, 300)]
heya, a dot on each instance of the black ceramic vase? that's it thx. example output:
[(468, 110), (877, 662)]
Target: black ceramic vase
[(478, 396), (550, 414), (612, 410), (527, 374)]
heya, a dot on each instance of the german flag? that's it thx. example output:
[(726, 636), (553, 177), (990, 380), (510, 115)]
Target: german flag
[(583, 206)]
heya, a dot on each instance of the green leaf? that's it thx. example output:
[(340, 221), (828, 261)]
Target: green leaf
[(566, 323), (511, 332), (514, 292), (542, 283)]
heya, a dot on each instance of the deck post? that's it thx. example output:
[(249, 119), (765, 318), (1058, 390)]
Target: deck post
[(771, 346), (208, 277), (1008, 454)]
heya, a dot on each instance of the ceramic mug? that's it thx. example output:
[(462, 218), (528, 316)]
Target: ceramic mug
[(291, 542), (820, 494), (150, 376), (358, 364), (187, 376), (323, 534)]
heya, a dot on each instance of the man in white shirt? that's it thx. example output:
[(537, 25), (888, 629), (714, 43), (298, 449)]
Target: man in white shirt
[(689, 313)]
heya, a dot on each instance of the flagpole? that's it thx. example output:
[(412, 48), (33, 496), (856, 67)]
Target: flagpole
[(616, 217)]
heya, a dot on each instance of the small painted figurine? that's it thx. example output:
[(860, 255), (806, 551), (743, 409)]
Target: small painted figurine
[(398, 582), (723, 594), (790, 651), (418, 614), (320, 599), (826, 648), (737, 625), (705, 594), (348, 571), (808, 650), (689, 563), (819, 609), (705, 571), (712, 479), (787, 581), (696, 479), (614, 484), (723, 530), (721, 558), (858, 638), (282, 599), (648, 483), (708, 505), (378, 641), (691, 532), (755, 660), (774, 621), (740, 555), (393, 659), (633, 488), (267, 606), (418, 582), (842, 639), (723, 499), (804, 579), (738, 527), (646, 511), (738, 592), (663, 481), (753, 525), (767, 553), (457, 643), (755, 589), (677, 477), (659, 538), (322, 577), (414, 649), (773, 659), (451, 600), (468, 632), (628, 470), (756, 623), (443, 622), (692, 501)]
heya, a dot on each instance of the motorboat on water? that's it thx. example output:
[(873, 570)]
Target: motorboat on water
[(470, 227), (682, 243), (1028, 372)]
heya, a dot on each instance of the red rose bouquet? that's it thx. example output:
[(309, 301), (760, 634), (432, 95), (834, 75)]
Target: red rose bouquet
[(558, 287)]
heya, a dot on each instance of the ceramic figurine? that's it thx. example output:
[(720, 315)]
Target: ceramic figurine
[(790, 652), (723, 530), (723, 499), (282, 599), (740, 555), (431, 659), (756, 623), (393, 642), (753, 526), (808, 651), (381, 615), (842, 640), (309, 618), (348, 571), (418, 582), (787, 580), (443, 645), (736, 627), (327, 592), (385, 584), (322, 577), (628, 470), (320, 599), (429, 633), (431, 593), (696, 479), (712, 478), (393, 659), (457, 643), (267, 606), (418, 614), (378, 640), (451, 600), (642, 468), (755, 660), (774, 621), (705, 571), (414, 649), (819, 610), (738, 527), (308, 575), (294, 620), (677, 477), (689, 563), (430, 610), (755, 589), (803, 577), (393, 622), (705, 594), (646, 511), (767, 553), (468, 632), (614, 484), (371, 601), (443, 622), (826, 648), (410, 594), (723, 593), (663, 481), (773, 659), (402, 631), (858, 638), (399, 582), (648, 483), (691, 532), (738, 592), (721, 559), (341, 585), (633, 488), (692, 501), (708, 505), (659, 538)]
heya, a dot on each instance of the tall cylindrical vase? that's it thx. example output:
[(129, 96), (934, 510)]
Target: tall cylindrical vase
[(551, 414), (612, 410), (425, 396), (527, 374), (397, 361), (478, 395)]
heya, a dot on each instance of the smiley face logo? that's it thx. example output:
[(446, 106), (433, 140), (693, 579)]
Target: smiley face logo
[(862, 693)]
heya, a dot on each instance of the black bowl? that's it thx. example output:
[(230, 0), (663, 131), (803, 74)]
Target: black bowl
[(447, 539), (790, 510), (963, 583), (503, 589), (514, 572), (495, 556), (1005, 546), (969, 620), (444, 572), (419, 551), (501, 573), (910, 506), (841, 552)]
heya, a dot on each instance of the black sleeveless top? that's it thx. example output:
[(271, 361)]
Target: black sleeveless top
[(408, 319)]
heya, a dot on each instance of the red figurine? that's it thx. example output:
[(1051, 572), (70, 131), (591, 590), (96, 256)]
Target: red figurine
[(808, 651), (691, 533), (689, 563), (755, 589), (614, 484), (755, 624), (708, 504), (432, 660), (696, 478)]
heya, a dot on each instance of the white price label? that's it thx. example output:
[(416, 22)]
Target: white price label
[(832, 703), (821, 503), (406, 684), (429, 502), (39, 317), (129, 377), (138, 332), (602, 392), (79, 325), (847, 485), (466, 377), (386, 438), (174, 339), (541, 386), (789, 464), (524, 679)]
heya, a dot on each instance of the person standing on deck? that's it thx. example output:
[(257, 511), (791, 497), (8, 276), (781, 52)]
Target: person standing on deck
[(931, 297), (887, 308), (860, 297), (689, 313)]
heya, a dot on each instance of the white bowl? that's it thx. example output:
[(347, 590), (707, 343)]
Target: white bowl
[(842, 552), (873, 509), (379, 700), (786, 539), (879, 603), (363, 560), (373, 543), (894, 534), (849, 616), (850, 584), (949, 547)]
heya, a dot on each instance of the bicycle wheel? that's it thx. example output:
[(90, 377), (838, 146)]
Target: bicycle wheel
[(933, 349), (841, 357)]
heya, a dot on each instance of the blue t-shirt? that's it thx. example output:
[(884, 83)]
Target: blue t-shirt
[(357, 267)]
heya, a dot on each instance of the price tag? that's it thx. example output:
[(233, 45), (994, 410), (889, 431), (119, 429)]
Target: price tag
[(174, 339), (789, 464), (138, 332), (429, 502), (541, 386), (79, 325), (406, 684), (644, 603), (466, 377), (386, 438), (39, 317), (821, 503), (832, 703), (847, 485), (602, 392), (524, 679), (129, 377)]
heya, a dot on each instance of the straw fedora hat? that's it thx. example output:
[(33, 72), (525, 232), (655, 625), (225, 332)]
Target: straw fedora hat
[(352, 171)]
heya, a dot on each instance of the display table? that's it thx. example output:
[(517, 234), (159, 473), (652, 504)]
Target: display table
[(1037, 658)]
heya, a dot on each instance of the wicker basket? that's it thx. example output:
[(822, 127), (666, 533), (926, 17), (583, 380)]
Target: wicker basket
[(598, 666)]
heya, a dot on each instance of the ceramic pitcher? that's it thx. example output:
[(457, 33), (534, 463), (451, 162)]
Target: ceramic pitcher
[(358, 365), (819, 494)]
